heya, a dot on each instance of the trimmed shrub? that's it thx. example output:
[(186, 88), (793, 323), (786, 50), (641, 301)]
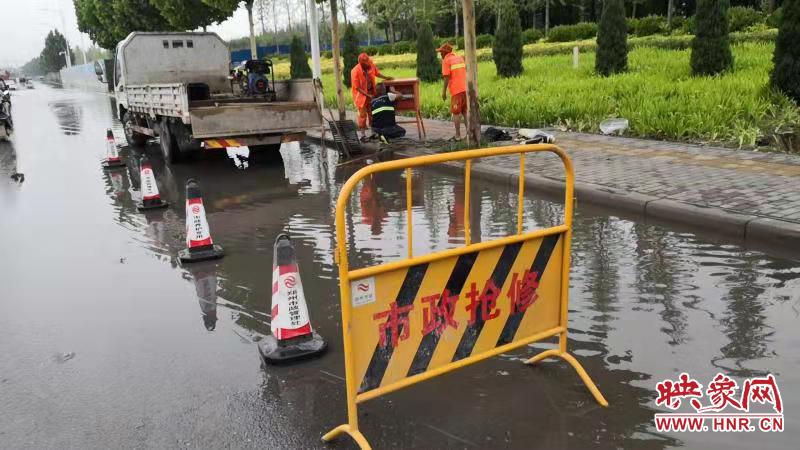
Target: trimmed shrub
[(531, 36), (507, 49), (786, 73), (327, 54), (299, 67), (403, 47), (651, 25), (577, 32), (740, 18), (711, 47), (632, 24), (612, 39), (427, 62), (349, 51), (484, 40), (371, 50), (688, 26), (678, 23), (774, 19)]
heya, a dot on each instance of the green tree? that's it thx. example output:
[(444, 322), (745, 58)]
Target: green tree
[(349, 51), (711, 47), (612, 40), (507, 47), (109, 21), (190, 14), (52, 59), (427, 62), (786, 73), (298, 60)]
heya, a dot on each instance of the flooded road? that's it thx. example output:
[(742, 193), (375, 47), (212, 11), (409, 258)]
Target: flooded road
[(108, 342)]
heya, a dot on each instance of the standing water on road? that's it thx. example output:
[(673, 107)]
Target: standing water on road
[(108, 342)]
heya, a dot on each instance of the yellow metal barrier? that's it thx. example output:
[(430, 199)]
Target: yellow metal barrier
[(410, 320)]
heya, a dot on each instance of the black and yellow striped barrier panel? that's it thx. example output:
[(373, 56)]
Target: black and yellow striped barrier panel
[(410, 320)]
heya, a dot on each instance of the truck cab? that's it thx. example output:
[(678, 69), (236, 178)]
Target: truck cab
[(176, 86)]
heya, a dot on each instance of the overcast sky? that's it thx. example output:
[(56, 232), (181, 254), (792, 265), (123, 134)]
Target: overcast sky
[(25, 23)]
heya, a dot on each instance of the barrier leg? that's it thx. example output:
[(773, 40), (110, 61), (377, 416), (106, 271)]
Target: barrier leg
[(578, 368), (355, 434)]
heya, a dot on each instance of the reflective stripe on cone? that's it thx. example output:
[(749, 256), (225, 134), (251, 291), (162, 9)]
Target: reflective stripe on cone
[(289, 310)]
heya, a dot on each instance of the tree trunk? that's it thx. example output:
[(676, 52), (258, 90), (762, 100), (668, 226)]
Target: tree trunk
[(261, 15), (344, 11), (546, 17), (337, 63), (670, 7), (633, 12), (455, 13), (253, 48), (289, 16), (471, 58), (275, 26), (308, 33), (391, 32)]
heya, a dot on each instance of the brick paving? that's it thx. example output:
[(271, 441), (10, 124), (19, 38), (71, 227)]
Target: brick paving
[(753, 183)]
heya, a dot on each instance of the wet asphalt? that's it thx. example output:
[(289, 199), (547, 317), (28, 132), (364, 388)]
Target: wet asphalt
[(108, 342)]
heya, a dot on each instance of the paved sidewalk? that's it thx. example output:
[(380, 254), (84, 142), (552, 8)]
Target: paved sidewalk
[(742, 189)]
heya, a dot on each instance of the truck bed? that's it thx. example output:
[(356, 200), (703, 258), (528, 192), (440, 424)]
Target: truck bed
[(245, 117), (221, 115)]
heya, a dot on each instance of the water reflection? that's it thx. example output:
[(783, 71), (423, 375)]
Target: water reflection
[(204, 277), (641, 295), (69, 116)]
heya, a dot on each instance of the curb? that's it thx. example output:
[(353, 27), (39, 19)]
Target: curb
[(751, 229)]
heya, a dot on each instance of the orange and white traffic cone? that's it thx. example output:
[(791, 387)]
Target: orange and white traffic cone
[(199, 245), (292, 337), (151, 199), (112, 157)]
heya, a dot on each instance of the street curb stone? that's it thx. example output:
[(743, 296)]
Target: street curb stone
[(774, 232), (721, 221)]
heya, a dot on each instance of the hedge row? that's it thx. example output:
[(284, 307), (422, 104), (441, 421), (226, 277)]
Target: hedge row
[(671, 42)]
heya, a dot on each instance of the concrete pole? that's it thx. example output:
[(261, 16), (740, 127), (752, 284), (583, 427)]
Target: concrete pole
[(313, 28), (337, 63), (471, 58), (253, 49)]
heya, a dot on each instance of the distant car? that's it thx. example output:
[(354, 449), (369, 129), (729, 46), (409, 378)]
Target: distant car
[(29, 84), (12, 85)]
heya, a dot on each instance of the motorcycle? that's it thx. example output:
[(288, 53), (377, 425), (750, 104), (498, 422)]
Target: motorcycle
[(6, 124)]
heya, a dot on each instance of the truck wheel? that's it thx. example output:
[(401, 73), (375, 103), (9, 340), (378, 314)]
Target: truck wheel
[(183, 138), (134, 139), (267, 154), (169, 148)]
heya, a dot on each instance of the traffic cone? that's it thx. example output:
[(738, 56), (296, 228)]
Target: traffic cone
[(112, 157), (292, 337), (151, 199), (198, 236)]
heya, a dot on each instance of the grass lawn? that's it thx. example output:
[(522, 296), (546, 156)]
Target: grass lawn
[(658, 96)]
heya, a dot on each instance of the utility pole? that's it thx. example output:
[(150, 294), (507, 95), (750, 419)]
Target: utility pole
[(471, 58), (337, 63), (313, 28), (253, 49)]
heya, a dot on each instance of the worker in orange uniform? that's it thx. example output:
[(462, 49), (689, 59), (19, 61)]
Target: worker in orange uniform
[(362, 86), (454, 72)]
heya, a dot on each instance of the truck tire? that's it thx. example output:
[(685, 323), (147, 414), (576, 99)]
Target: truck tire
[(183, 138), (134, 139), (169, 148)]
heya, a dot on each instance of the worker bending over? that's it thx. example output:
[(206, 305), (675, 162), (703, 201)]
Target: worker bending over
[(383, 116), (454, 72), (362, 86)]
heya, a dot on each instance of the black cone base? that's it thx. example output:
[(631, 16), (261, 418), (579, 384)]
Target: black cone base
[(113, 164), (214, 252), (273, 351), (152, 204)]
